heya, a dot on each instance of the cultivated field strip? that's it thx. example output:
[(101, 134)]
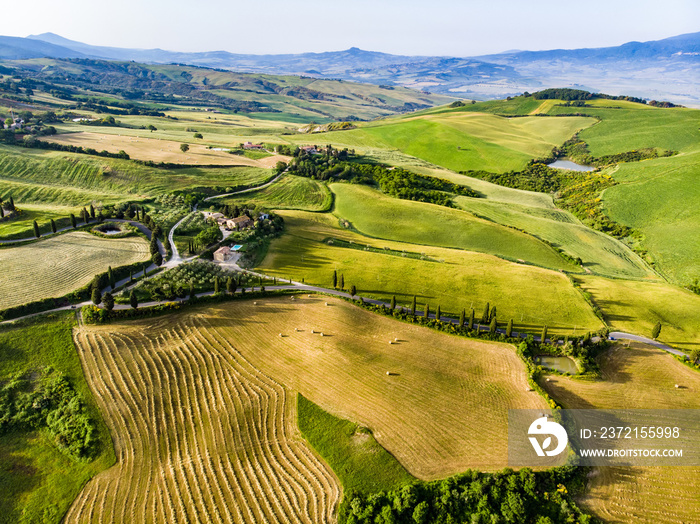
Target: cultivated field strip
[(58, 265), (200, 434)]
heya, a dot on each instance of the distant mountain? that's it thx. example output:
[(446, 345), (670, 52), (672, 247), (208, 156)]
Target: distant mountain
[(13, 48), (663, 69)]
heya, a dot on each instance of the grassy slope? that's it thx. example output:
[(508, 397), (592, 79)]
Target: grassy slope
[(37, 481), (531, 296), (350, 450), (636, 307), (21, 226), (601, 254), (637, 378), (379, 216), (290, 192), (34, 176), (462, 141), (61, 264), (448, 393), (660, 197)]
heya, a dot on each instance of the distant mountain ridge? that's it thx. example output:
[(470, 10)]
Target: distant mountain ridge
[(663, 69)]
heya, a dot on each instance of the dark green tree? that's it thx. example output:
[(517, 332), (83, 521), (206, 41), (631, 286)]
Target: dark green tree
[(485, 314), (131, 275), (216, 285), (335, 279), (96, 295), (133, 300), (426, 313), (73, 221), (157, 258), (543, 336), (11, 207), (53, 226), (110, 277), (192, 294), (492, 314), (184, 148), (37, 233), (108, 301), (393, 303), (509, 328), (461, 318), (353, 290), (656, 331), (92, 211), (342, 282), (471, 320), (229, 285), (153, 247), (438, 313), (493, 326)]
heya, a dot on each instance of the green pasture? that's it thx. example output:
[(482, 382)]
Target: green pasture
[(22, 226), (451, 278), (290, 192), (38, 481), (379, 216)]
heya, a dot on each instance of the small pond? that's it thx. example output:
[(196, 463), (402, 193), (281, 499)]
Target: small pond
[(109, 229), (571, 166), (561, 364)]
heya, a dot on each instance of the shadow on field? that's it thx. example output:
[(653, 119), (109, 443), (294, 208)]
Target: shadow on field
[(563, 396)]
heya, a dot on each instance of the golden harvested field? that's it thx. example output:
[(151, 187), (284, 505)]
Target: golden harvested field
[(145, 148), (58, 265), (445, 398), (200, 434), (638, 377)]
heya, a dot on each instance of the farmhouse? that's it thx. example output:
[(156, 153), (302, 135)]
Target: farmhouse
[(310, 150), (250, 145), (241, 222), (222, 254)]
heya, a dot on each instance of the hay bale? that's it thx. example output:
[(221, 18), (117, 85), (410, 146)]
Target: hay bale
[(281, 335), (326, 303), (322, 334), (255, 303), (677, 386), (313, 331)]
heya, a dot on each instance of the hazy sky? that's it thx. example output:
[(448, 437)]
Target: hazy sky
[(425, 27)]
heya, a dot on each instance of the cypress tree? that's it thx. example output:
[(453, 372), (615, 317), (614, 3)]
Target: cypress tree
[(92, 211), (157, 258), (37, 233), (461, 318), (342, 282), (153, 247), (131, 275), (145, 270), (494, 326), (543, 337), (393, 303), (216, 285), (110, 278), (2, 211), (191, 290), (493, 313), (96, 296), (229, 285), (108, 301), (509, 328), (485, 314), (86, 215), (53, 226), (438, 313), (335, 279), (12, 204), (427, 311), (353, 290), (471, 319), (656, 331), (73, 221), (133, 300)]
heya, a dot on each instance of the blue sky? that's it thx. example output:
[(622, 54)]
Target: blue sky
[(426, 27)]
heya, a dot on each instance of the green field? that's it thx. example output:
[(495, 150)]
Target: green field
[(464, 141), (56, 266), (601, 253), (38, 481), (22, 225), (379, 216), (451, 278), (290, 192), (350, 450), (635, 307), (47, 177)]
